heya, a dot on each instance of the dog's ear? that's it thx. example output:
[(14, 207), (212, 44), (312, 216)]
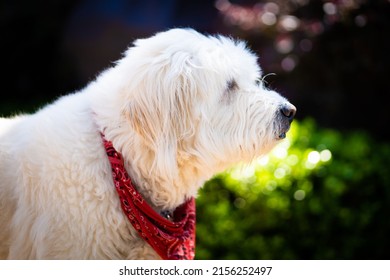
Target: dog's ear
[(161, 108)]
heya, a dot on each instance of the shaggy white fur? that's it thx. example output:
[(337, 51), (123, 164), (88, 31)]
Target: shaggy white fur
[(179, 106)]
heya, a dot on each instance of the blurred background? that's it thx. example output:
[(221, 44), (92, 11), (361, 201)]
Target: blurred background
[(324, 193)]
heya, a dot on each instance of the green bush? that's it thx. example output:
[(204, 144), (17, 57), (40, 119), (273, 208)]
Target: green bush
[(320, 194)]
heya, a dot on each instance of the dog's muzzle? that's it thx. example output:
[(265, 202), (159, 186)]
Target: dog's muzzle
[(284, 118)]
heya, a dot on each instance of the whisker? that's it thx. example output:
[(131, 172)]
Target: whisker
[(265, 76)]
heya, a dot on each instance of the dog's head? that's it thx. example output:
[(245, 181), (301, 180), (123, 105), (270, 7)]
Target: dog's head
[(199, 102)]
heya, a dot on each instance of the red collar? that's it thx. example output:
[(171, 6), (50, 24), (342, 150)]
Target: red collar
[(172, 240)]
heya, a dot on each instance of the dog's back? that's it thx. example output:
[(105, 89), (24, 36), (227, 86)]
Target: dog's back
[(54, 187), (8, 173), (36, 157)]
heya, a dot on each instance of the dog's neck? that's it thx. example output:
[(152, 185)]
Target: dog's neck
[(158, 190), (161, 192)]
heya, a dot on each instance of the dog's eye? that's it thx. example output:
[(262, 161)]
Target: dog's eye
[(232, 85), (229, 93)]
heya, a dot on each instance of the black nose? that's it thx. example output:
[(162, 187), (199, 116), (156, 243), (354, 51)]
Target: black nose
[(288, 110)]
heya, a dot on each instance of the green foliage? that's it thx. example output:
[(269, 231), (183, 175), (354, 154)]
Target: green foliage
[(320, 194)]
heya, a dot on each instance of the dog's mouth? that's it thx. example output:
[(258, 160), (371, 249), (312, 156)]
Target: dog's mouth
[(282, 126), (282, 134)]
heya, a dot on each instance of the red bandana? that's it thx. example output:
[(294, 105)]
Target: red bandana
[(171, 240)]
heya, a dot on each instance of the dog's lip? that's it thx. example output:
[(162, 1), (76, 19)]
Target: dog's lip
[(282, 135)]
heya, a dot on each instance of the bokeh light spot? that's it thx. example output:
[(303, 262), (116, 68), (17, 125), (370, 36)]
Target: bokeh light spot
[(325, 155), (299, 195), (329, 8), (314, 157)]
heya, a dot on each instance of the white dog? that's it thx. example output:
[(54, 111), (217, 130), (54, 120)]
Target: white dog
[(177, 108)]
